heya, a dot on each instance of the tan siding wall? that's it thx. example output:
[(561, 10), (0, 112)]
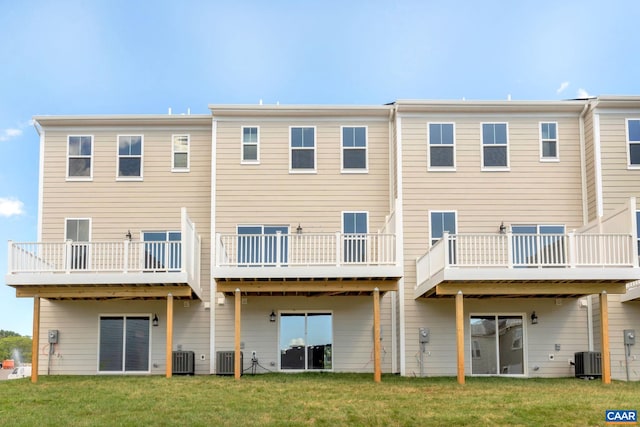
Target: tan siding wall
[(79, 326), (268, 194), (352, 329), (618, 182), (532, 192)]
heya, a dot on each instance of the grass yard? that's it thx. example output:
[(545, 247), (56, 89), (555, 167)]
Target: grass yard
[(310, 399)]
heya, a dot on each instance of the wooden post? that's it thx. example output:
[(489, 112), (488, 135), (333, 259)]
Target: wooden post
[(237, 369), (377, 373), (35, 343), (460, 335), (169, 371), (604, 321)]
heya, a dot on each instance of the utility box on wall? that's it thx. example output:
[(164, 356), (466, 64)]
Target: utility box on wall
[(629, 337), (53, 336)]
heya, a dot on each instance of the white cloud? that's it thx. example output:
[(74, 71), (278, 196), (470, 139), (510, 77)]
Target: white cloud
[(7, 134), (562, 87), (582, 93), (11, 207)]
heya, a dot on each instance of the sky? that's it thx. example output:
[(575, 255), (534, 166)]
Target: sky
[(140, 57)]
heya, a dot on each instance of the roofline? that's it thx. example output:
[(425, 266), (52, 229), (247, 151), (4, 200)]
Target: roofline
[(276, 110), (502, 106), (123, 119)]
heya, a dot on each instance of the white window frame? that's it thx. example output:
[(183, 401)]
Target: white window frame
[(505, 168), (629, 142), (365, 148), (77, 245), (124, 353), (175, 168), (431, 238), (66, 220), (315, 151), (333, 339), (80, 156), (556, 141), (453, 147), (118, 156), (244, 143)]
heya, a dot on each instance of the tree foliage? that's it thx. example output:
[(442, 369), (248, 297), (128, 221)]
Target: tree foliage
[(13, 346), (4, 334)]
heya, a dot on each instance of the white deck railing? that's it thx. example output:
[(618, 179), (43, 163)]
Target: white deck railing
[(527, 250), (290, 250)]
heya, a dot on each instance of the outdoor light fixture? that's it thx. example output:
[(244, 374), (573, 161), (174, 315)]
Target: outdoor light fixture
[(534, 318), (299, 229), (503, 229), (155, 320), (272, 316), (128, 235)]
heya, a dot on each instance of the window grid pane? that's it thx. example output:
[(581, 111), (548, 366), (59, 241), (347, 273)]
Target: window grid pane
[(79, 156)]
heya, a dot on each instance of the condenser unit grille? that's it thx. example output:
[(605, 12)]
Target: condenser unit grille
[(588, 364), (225, 362), (184, 362)]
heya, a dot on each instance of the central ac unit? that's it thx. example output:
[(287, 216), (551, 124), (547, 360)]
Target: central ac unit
[(184, 362), (225, 362), (588, 364)]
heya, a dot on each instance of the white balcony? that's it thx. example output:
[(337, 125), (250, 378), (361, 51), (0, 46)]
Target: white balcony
[(128, 264), (306, 256)]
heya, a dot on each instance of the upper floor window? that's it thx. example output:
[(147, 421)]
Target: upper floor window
[(441, 146), (303, 149), (80, 150), (354, 148), (633, 139), (180, 150), (495, 153), (250, 144), (549, 141), (129, 156)]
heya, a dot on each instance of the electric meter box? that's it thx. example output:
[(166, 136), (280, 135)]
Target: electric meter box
[(629, 336), (53, 336), (424, 335)]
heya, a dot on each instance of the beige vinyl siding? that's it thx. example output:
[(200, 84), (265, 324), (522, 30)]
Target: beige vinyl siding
[(623, 315), (532, 192), (79, 326), (590, 168), (618, 182), (268, 194), (352, 329)]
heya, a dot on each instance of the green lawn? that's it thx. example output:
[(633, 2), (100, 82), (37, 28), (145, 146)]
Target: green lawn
[(310, 399)]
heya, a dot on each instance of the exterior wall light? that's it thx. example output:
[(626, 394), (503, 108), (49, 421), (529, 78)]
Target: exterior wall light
[(534, 318), (155, 320), (298, 229), (503, 229), (128, 235), (272, 317)]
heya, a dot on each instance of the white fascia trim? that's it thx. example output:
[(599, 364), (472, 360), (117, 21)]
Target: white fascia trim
[(400, 244), (212, 284), (41, 132), (597, 153)]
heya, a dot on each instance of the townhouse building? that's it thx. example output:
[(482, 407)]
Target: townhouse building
[(423, 238)]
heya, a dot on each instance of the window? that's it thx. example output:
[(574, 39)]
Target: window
[(306, 341), (354, 227), (80, 149), (494, 146), (260, 245), (180, 150), (633, 139), (303, 143), (441, 222), (78, 231), (497, 345), (441, 146), (250, 145), (130, 156), (538, 245), (549, 142), (162, 250), (354, 149), (638, 229), (124, 344)]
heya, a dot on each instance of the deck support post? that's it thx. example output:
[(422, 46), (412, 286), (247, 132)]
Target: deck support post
[(604, 331), (35, 344), (237, 369), (377, 373), (460, 335), (169, 356)]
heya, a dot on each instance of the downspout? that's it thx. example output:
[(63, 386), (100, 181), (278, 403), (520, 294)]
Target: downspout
[(213, 244), (400, 241), (41, 134), (597, 154), (393, 295), (583, 167)]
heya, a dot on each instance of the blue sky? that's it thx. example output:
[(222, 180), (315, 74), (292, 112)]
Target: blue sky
[(121, 57)]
